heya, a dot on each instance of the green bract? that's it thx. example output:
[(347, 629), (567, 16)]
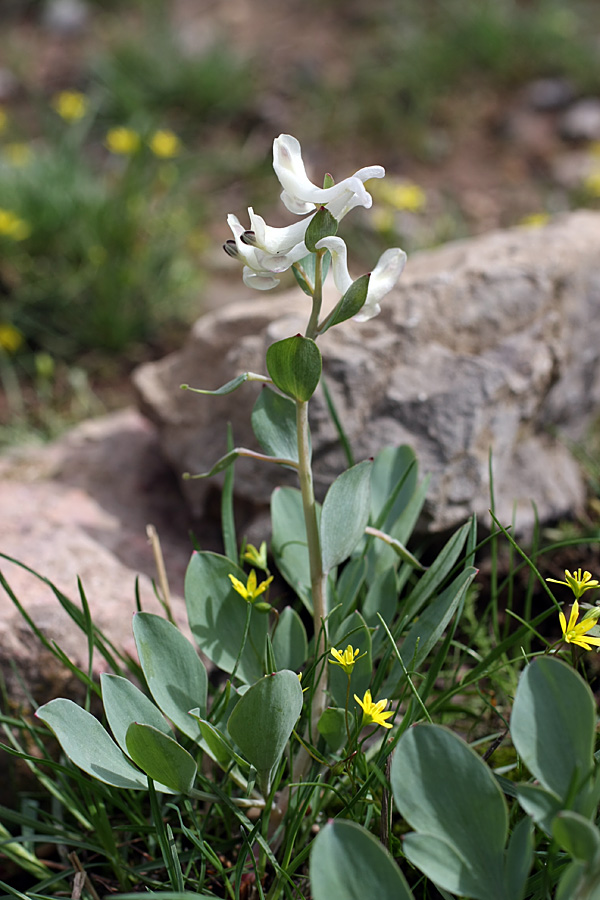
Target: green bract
[(295, 364)]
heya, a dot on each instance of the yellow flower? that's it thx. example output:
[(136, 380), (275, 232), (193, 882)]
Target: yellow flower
[(401, 195), (346, 659), (577, 632), (592, 184), (122, 141), (250, 591), (578, 583), (70, 105), (17, 153), (12, 226), (256, 557), (165, 144), (10, 337), (373, 713), (535, 220)]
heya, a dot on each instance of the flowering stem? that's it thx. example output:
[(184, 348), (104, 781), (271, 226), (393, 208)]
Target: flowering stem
[(317, 577), (312, 329)]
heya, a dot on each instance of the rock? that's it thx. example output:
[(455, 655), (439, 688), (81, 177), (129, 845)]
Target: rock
[(549, 94), (79, 507), (581, 122), (487, 344), (66, 17)]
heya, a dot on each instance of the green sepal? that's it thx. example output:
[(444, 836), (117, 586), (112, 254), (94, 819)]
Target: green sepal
[(350, 304), (322, 224), (295, 365)]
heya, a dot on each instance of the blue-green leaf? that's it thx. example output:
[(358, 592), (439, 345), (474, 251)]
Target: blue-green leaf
[(161, 757), (348, 863), (175, 675), (217, 617), (89, 746), (345, 514)]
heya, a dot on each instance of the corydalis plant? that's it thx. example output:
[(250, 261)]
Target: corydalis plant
[(308, 247)]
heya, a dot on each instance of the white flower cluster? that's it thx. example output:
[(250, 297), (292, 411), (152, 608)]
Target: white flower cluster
[(266, 251)]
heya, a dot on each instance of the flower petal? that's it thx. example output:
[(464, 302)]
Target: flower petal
[(299, 193), (383, 278), (339, 261)]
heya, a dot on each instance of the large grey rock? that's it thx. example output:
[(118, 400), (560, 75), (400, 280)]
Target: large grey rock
[(79, 508), (487, 345)]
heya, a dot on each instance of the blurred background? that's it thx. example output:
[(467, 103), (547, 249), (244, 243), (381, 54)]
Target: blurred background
[(130, 128)]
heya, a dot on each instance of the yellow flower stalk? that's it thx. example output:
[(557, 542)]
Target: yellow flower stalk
[(70, 105), (345, 659), (164, 144), (575, 632), (373, 713), (578, 583), (122, 141), (251, 590)]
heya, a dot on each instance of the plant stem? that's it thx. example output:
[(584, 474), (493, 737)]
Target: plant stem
[(317, 576), (312, 329)]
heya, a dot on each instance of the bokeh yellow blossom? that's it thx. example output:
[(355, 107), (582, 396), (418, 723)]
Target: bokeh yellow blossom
[(122, 141), (12, 226), (400, 195), (17, 153), (165, 144), (591, 183), (10, 337), (535, 220), (70, 105)]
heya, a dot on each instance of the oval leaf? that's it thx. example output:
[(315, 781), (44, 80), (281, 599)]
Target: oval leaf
[(553, 724), (263, 719), (445, 792), (345, 514), (175, 675), (274, 424), (348, 863), (124, 704), (89, 746), (217, 617), (295, 365), (290, 644), (161, 757)]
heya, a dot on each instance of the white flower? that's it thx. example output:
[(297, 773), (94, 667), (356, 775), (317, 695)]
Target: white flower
[(384, 276), (301, 196), (278, 241), (252, 249)]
